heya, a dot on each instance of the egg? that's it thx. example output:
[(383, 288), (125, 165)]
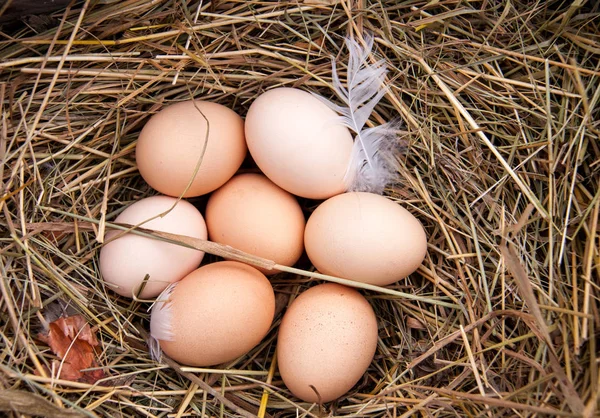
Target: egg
[(252, 214), (126, 259), (299, 143), (327, 339), (173, 141), (364, 237), (216, 314)]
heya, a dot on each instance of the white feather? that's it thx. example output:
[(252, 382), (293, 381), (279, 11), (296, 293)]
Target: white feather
[(161, 317), (154, 348), (370, 168)]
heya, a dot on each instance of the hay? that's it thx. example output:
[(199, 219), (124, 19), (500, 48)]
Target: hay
[(500, 104)]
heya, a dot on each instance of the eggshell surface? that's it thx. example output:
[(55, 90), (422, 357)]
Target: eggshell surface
[(215, 314), (252, 214), (126, 260), (173, 141), (327, 339), (364, 237), (298, 142)]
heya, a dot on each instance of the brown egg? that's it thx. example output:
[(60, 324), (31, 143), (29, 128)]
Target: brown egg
[(252, 214), (299, 143), (327, 339), (216, 314), (365, 237), (125, 261), (173, 141)]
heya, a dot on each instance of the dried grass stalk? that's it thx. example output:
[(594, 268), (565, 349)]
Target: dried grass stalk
[(500, 103)]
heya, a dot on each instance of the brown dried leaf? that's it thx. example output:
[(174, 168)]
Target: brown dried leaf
[(72, 340)]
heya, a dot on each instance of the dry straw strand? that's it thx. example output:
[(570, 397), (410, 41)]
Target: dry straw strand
[(501, 163)]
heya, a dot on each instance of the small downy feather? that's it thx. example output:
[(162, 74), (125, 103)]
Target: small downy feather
[(161, 321), (370, 168)]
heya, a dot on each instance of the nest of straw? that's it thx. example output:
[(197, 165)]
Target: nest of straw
[(500, 105)]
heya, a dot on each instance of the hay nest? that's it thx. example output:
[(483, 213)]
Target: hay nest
[(500, 106)]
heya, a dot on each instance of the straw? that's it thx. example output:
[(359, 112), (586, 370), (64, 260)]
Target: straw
[(501, 163)]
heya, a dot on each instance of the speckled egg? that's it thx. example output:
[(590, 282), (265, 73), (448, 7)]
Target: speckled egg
[(327, 339)]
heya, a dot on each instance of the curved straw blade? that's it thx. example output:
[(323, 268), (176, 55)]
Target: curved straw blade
[(231, 253)]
